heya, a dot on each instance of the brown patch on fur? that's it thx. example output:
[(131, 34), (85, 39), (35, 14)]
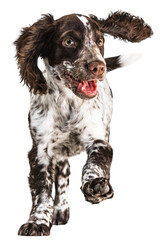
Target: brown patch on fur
[(124, 26), (29, 47)]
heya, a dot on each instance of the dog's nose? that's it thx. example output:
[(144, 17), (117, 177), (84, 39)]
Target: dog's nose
[(97, 68)]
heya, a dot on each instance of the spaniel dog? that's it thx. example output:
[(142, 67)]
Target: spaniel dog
[(70, 107)]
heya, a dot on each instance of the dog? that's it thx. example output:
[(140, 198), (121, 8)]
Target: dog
[(70, 107)]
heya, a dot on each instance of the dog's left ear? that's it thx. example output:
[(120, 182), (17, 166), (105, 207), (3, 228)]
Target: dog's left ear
[(124, 26)]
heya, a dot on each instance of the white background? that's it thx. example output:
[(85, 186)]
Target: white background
[(134, 212)]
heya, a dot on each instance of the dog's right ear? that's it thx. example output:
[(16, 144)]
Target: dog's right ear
[(30, 45)]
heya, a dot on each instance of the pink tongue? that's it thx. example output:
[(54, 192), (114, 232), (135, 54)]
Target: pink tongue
[(88, 88)]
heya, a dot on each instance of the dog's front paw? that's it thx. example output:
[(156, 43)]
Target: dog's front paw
[(60, 215), (33, 229), (97, 190)]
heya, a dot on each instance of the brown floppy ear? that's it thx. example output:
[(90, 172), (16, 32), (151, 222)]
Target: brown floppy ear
[(29, 47), (124, 26)]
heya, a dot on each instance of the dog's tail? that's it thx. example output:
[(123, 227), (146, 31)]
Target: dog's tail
[(113, 63)]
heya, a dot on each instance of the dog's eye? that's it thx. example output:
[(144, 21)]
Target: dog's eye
[(100, 42), (68, 43)]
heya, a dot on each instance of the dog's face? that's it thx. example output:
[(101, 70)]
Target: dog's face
[(75, 54), (73, 49)]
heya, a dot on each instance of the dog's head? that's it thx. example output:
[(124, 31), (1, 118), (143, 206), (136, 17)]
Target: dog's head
[(73, 49)]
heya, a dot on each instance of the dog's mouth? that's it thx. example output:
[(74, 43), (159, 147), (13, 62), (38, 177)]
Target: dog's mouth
[(86, 88)]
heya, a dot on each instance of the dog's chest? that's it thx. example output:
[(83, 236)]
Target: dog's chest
[(65, 124), (74, 122)]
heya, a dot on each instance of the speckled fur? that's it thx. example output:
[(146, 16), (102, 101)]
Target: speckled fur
[(62, 121)]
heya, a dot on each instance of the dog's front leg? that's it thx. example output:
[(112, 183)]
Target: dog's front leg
[(96, 172), (40, 181), (61, 208)]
